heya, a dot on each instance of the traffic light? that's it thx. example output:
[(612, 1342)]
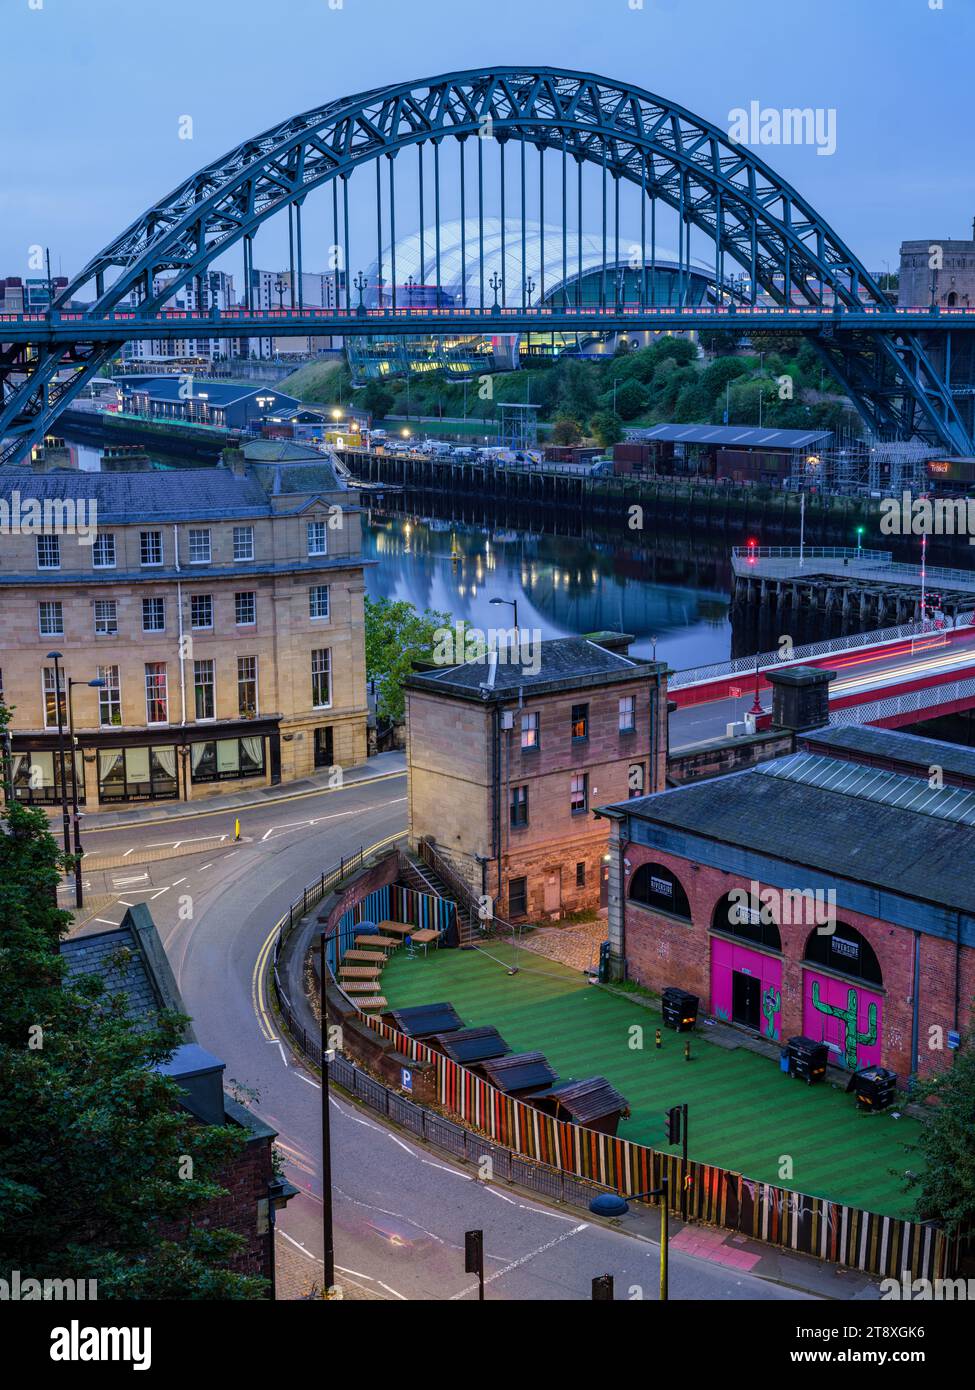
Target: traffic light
[(602, 1289), (673, 1124)]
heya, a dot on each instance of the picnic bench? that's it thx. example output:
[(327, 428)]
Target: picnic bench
[(385, 943), (424, 937), (397, 929), (354, 954), (372, 1004), (357, 972), (360, 986)]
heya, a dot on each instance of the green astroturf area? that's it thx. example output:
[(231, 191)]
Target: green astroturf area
[(745, 1114)]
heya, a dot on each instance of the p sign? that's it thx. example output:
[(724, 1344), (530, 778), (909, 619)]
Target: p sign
[(405, 1079)]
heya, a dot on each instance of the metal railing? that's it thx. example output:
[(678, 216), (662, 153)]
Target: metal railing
[(465, 898), (810, 552), (912, 702)]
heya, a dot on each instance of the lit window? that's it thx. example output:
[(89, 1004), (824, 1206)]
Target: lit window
[(203, 689), (529, 730), (50, 705), (579, 793), (580, 721)]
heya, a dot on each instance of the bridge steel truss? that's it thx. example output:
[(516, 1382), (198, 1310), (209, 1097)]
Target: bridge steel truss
[(754, 219)]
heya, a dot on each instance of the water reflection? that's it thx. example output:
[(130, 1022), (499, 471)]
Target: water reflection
[(563, 585)]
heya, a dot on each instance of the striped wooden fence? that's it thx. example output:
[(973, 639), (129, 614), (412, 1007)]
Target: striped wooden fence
[(393, 902), (880, 1245)]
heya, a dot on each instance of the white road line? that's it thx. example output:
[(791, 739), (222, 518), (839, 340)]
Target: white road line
[(154, 896), (456, 1172), (123, 903), (516, 1264), (204, 866), (106, 923), (283, 1057), (356, 1272), (411, 1152), (302, 1077), (392, 1291), (178, 881), (128, 852), (495, 1193), (128, 881)]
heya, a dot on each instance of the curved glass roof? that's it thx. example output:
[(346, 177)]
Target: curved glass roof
[(543, 263)]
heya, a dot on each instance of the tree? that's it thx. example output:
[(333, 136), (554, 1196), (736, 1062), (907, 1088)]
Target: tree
[(396, 634), (377, 400), (631, 399), (93, 1142), (945, 1187), (606, 428), (566, 430)]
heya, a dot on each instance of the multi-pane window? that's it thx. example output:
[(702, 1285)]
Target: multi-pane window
[(103, 551), (519, 806), (581, 874), (157, 702), (579, 793), (247, 686), (48, 552), (317, 538), (517, 897), (201, 610), (318, 601), (580, 721), (50, 619), (150, 548), (634, 780), (321, 678), (153, 615), (199, 543), (627, 714), (50, 704), (243, 542), (529, 730), (203, 689), (106, 616), (109, 696), (245, 609)]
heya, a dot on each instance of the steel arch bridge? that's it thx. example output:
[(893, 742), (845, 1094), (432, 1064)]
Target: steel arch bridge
[(894, 362)]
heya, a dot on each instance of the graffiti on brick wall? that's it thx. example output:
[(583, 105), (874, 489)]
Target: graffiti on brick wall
[(846, 1016)]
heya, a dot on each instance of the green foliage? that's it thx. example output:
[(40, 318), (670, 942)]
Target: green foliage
[(396, 634), (377, 399), (93, 1144), (606, 428), (945, 1188), (631, 399), (566, 430)]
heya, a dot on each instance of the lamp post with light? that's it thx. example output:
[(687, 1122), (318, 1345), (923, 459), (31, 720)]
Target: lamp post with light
[(96, 684), (512, 603), (610, 1204)]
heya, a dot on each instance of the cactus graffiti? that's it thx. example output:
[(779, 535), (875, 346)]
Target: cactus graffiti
[(771, 1000), (848, 1016)]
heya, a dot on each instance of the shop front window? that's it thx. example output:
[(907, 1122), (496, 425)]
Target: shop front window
[(137, 774), (222, 759)]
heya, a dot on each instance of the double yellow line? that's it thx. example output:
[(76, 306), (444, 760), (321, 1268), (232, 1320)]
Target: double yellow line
[(260, 975)]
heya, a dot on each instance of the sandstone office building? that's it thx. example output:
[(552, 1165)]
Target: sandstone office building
[(221, 607)]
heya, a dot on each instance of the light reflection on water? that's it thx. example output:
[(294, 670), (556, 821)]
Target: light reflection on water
[(564, 586)]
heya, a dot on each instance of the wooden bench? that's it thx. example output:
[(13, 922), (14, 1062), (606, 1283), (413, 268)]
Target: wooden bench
[(399, 929), (385, 943), (353, 955), (360, 986), (371, 1005), (357, 972)]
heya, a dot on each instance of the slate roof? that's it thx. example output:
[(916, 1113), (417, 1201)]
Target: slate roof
[(862, 741), (520, 1071), (221, 393), (104, 954), (836, 832), (565, 663), (158, 495), (584, 1101), (731, 436)]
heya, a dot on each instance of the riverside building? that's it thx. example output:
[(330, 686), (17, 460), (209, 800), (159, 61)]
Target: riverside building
[(221, 609)]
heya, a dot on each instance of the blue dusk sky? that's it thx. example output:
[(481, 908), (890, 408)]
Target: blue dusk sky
[(95, 89)]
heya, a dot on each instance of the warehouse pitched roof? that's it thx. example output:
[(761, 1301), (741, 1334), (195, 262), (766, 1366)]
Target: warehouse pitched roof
[(160, 494)]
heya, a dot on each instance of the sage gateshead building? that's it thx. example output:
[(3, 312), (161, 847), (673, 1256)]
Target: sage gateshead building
[(540, 270)]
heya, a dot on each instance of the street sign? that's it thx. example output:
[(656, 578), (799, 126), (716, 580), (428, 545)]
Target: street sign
[(405, 1079), (734, 691)]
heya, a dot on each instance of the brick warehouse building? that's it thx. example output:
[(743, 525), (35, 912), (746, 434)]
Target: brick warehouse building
[(505, 766), (854, 811)]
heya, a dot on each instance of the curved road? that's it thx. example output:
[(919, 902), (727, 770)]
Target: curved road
[(401, 1210)]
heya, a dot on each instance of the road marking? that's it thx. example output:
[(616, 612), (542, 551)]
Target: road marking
[(127, 882), (524, 1259), (178, 881), (283, 1057), (411, 1152), (128, 852), (356, 1272), (495, 1193), (154, 896), (392, 1291), (302, 1077), (123, 903), (204, 866), (444, 1169), (106, 923)]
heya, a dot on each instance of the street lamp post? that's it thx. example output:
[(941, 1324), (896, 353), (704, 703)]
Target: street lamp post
[(513, 603), (609, 1204), (96, 684), (495, 283), (328, 1239), (360, 283), (279, 288), (56, 658)]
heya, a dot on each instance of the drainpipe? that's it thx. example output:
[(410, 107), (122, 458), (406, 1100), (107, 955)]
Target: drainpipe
[(179, 613), (496, 741), (915, 1026), (954, 1054)]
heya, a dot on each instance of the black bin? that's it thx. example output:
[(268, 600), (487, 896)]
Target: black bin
[(679, 1009), (603, 975), (874, 1087), (807, 1059)]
